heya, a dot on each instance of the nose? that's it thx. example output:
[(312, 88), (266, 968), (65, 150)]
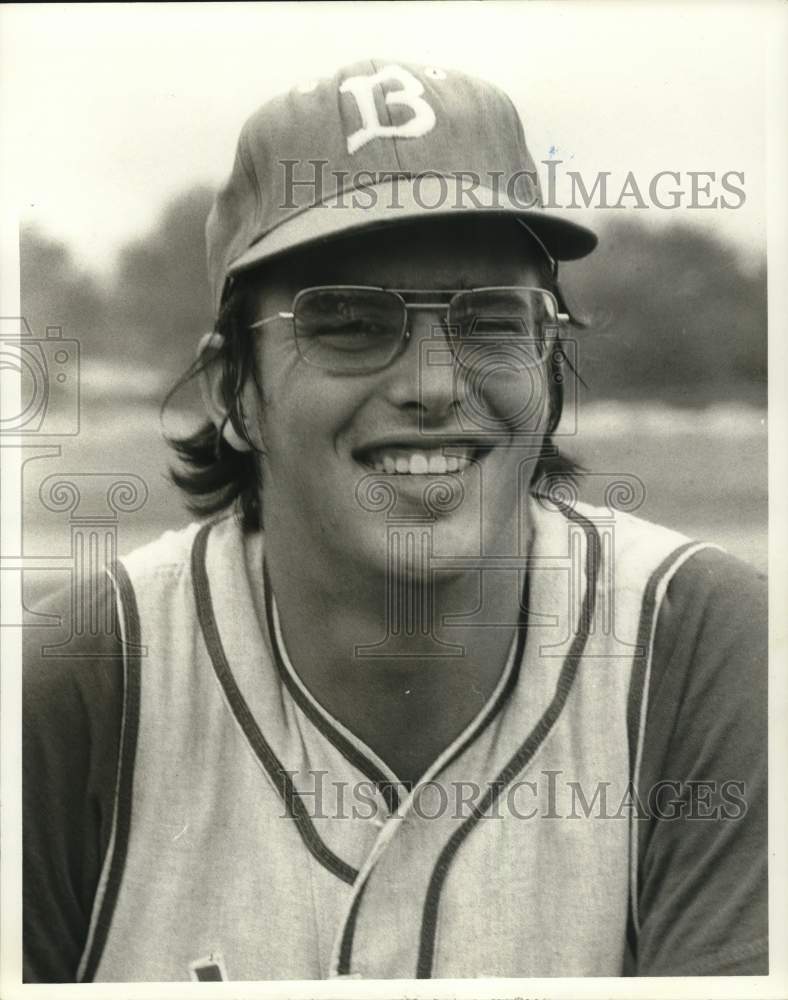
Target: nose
[(422, 378)]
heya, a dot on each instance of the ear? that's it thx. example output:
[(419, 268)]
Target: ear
[(210, 379)]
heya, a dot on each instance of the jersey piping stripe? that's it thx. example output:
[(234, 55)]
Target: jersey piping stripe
[(640, 669), (523, 755), (511, 683), (346, 948), (345, 954), (294, 807), (637, 707), (385, 786), (130, 634)]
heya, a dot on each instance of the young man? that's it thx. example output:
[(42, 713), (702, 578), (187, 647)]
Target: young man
[(401, 709)]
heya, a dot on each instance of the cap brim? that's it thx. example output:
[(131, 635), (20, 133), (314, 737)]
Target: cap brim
[(407, 200)]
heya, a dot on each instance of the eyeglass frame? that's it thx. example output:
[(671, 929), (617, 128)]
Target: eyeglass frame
[(562, 318)]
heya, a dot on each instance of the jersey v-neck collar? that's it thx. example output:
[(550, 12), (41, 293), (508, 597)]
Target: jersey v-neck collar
[(285, 726), (353, 747)]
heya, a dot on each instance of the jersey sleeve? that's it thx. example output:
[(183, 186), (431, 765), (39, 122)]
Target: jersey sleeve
[(702, 897), (72, 712)]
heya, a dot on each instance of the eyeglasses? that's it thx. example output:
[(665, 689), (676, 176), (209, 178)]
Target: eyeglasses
[(355, 329)]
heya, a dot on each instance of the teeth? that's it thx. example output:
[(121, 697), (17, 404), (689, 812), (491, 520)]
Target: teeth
[(420, 463)]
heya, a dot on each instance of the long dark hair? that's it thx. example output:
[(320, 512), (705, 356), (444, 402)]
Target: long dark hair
[(215, 476)]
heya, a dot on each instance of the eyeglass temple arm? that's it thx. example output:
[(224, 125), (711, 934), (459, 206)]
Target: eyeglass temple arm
[(271, 319)]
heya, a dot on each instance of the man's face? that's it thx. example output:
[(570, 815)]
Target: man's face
[(473, 434)]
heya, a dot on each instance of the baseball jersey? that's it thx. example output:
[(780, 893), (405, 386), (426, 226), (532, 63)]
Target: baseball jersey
[(249, 835)]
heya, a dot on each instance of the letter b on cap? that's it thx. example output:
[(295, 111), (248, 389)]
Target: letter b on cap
[(361, 89)]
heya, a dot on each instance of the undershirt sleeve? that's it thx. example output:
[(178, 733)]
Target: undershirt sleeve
[(703, 883), (72, 712)]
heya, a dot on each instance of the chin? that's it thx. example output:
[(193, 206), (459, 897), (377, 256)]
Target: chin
[(406, 545)]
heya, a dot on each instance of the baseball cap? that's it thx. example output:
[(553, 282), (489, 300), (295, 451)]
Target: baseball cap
[(377, 144)]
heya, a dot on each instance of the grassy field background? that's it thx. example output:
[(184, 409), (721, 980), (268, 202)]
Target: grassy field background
[(704, 472)]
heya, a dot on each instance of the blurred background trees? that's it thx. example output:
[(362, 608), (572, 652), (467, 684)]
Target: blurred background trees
[(160, 295), (143, 320), (56, 293), (676, 315)]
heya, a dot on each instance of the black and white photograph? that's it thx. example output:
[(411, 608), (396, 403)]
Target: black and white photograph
[(393, 403)]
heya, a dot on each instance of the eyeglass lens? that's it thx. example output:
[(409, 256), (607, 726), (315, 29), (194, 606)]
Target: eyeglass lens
[(354, 329)]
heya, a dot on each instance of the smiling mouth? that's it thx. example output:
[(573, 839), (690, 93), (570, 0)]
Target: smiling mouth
[(409, 461)]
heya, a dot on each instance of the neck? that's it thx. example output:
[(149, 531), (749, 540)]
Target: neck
[(377, 653)]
